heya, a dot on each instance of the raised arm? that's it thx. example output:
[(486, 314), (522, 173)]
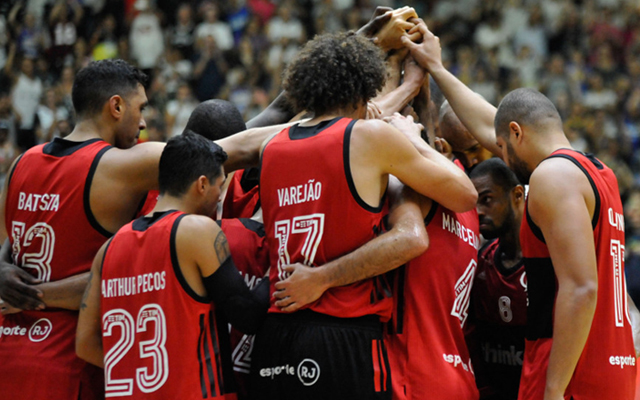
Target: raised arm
[(406, 240), (396, 99), (566, 226), (89, 331), (474, 112)]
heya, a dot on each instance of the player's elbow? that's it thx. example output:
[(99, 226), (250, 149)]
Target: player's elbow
[(417, 241), (586, 294), (466, 200)]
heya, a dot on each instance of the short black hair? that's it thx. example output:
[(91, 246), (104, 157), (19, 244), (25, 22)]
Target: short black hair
[(187, 157), (216, 119), (334, 71), (527, 107), (501, 175), (98, 81)]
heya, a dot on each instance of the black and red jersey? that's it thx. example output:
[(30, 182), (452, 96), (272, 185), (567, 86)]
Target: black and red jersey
[(53, 235), (240, 201), (607, 367), (160, 338), (498, 317), (250, 255), (313, 213), (426, 343)]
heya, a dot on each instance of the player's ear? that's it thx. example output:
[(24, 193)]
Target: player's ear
[(201, 184), (516, 130), (517, 196), (116, 106)]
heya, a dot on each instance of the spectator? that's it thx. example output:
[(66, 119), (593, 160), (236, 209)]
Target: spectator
[(49, 113), (31, 39), (145, 38), (179, 110), (285, 32), (63, 22), (238, 17), (532, 35), (25, 95), (181, 35), (209, 70), (104, 40), (213, 27), (8, 152), (9, 119), (597, 95)]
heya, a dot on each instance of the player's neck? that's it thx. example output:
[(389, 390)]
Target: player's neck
[(354, 113), (167, 202), (510, 251), (555, 142), (87, 129)]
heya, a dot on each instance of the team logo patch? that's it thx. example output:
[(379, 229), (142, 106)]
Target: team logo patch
[(40, 330), (308, 372)]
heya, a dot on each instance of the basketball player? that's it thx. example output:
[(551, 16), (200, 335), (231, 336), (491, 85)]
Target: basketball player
[(499, 294), (152, 286), (463, 145), (60, 204), (330, 204), (579, 342)]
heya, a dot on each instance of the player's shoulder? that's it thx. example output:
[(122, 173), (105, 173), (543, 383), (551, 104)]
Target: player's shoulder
[(199, 225), (557, 174)]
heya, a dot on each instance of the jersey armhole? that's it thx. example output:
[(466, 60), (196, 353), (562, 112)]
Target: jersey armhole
[(346, 160), (87, 195), (176, 265)]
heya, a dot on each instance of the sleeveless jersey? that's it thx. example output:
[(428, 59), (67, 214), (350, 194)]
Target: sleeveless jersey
[(313, 214), (238, 202), (250, 255), (606, 369), (426, 344), (160, 338), (498, 317), (53, 235)]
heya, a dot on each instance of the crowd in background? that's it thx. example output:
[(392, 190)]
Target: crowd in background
[(584, 55)]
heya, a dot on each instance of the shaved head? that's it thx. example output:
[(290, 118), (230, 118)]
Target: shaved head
[(527, 107), (453, 130)]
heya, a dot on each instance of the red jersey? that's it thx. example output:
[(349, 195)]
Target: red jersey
[(313, 214), (250, 255), (238, 202), (607, 367), (53, 235), (160, 338), (498, 317), (426, 344)]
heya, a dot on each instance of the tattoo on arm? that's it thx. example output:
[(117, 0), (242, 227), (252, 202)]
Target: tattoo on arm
[(83, 303), (222, 247)]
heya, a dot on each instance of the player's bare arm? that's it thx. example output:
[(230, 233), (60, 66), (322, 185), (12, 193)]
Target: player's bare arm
[(406, 240), (634, 315), (397, 98), (474, 111), (379, 149), (561, 203), (89, 331), (206, 263)]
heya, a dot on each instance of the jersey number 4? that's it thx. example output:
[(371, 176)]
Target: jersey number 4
[(312, 226), (147, 382)]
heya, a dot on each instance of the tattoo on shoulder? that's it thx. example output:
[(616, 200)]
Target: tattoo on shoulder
[(221, 247)]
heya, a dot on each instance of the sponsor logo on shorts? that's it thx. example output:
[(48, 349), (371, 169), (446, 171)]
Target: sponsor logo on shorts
[(40, 330), (308, 372), (623, 361)]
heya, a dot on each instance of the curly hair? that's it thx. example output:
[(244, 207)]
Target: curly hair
[(334, 71)]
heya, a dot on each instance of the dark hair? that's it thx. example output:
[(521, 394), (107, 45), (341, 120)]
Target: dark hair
[(499, 173), (334, 71), (216, 119), (185, 158), (98, 81), (527, 107)]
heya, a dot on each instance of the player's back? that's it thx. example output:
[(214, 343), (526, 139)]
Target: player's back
[(53, 235), (160, 338), (607, 366), (313, 213), (427, 349)]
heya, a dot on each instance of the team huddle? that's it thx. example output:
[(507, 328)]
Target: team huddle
[(367, 236)]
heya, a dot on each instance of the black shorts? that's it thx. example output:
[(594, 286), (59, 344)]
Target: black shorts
[(306, 355)]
